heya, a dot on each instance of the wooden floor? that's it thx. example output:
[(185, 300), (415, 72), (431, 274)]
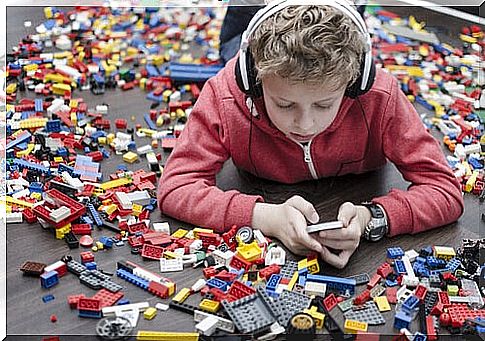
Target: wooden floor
[(28, 315)]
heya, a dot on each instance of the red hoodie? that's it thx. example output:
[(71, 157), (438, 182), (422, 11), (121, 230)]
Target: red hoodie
[(219, 128)]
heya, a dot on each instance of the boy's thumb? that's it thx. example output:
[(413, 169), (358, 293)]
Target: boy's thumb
[(305, 207)]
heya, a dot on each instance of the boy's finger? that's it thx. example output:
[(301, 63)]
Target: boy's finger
[(347, 211), (338, 261), (350, 244), (305, 238), (305, 207), (350, 232)]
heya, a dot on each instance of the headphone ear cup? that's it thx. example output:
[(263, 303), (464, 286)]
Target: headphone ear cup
[(255, 86), (239, 81), (353, 91)]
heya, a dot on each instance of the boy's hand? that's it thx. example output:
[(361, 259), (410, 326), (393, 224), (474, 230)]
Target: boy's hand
[(347, 239), (287, 223)]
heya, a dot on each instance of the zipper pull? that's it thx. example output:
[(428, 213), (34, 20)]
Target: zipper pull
[(306, 149)]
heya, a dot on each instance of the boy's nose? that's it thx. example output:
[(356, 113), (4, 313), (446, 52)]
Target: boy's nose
[(304, 122)]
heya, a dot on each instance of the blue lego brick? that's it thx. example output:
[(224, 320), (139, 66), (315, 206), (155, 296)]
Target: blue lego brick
[(401, 320), (90, 314), (123, 301), (453, 264), (390, 283), (49, 279), (420, 260), (192, 72), (91, 265), (424, 103), (97, 134), (87, 150), (122, 168), (151, 97), (36, 187), (217, 283), (129, 277), (302, 281), (395, 252), (39, 105), (273, 282), (25, 136), (53, 126), (47, 298), (399, 267), (410, 304), (65, 168), (475, 163), (419, 337), (94, 214), (87, 220), (426, 251), (31, 166), (152, 70), (107, 242), (336, 284), (62, 151), (98, 78), (149, 122)]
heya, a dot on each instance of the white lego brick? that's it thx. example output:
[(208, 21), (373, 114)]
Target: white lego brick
[(54, 266), (162, 307), (275, 330), (123, 136), (21, 193), (409, 267), (102, 108), (198, 285), (15, 217), (171, 265), (124, 200), (403, 293), (224, 324), (151, 158), (472, 148), (60, 213), (207, 326), (162, 227), (259, 237), (146, 275), (144, 149), (70, 71), (460, 151), (314, 288), (275, 255), (130, 315), (411, 254), (55, 106), (448, 127), (110, 311), (74, 182), (195, 245), (410, 281), (139, 197)]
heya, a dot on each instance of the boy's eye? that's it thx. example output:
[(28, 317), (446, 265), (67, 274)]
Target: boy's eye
[(323, 106), (284, 106)]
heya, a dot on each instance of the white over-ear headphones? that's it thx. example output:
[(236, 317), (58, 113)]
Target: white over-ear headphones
[(367, 74)]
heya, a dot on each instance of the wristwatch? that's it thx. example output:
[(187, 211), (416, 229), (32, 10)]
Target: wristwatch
[(377, 227)]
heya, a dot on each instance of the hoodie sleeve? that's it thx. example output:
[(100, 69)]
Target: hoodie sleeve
[(434, 197), (187, 189)]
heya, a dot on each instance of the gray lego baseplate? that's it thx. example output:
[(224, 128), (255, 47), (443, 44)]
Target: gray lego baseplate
[(370, 314), (289, 269)]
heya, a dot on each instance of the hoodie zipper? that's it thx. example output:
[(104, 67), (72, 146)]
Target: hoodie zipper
[(307, 156)]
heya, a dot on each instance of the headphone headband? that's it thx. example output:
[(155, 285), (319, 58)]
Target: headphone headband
[(278, 5)]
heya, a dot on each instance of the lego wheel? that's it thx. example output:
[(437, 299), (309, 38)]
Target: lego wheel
[(301, 324), (114, 328)]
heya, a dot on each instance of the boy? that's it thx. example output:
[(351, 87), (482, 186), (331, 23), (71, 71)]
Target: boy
[(301, 102)]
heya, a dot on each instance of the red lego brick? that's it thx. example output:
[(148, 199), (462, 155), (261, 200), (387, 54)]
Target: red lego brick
[(158, 289), (81, 229), (107, 298), (330, 302), (137, 227), (219, 295), (86, 257), (135, 241), (459, 313), (73, 300), (269, 270), (209, 272), (430, 329), (226, 276), (29, 216), (391, 294), (420, 292), (374, 281), (443, 298), (152, 252), (384, 270), (239, 290), (239, 263), (362, 298), (89, 304)]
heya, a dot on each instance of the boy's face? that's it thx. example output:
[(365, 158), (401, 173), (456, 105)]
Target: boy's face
[(301, 111)]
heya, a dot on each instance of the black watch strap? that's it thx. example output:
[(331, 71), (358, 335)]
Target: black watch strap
[(377, 227)]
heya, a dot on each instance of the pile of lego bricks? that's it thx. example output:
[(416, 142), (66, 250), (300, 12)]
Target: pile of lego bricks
[(447, 82), (248, 285)]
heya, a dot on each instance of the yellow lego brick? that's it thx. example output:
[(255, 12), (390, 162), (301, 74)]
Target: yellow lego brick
[(468, 39), (60, 232), (61, 88), (145, 335), (180, 233), (56, 78), (110, 137), (27, 151), (179, 113), (13, 201), (11, 88), (302, 264), (171, 255), (147, 132), (58, 159), (171, 288), (73, 103), (150, 313), (209, 305), (353, 326), (200, 229), (99, 245), (34, 122), (130, 157), (444, 252), (293, 281), (182, 295), (136, 209), (115, 183), (382, 303), (110, 209), (102, 140), (318, 317), (414, 71), (30, 67), (48, 12), (94, 248), (249, 252), (471, 182), (415, 25), (312, 266), (36, 196), (452, 290)]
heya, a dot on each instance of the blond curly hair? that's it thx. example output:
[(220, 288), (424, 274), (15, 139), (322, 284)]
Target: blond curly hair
[(311, 44)]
